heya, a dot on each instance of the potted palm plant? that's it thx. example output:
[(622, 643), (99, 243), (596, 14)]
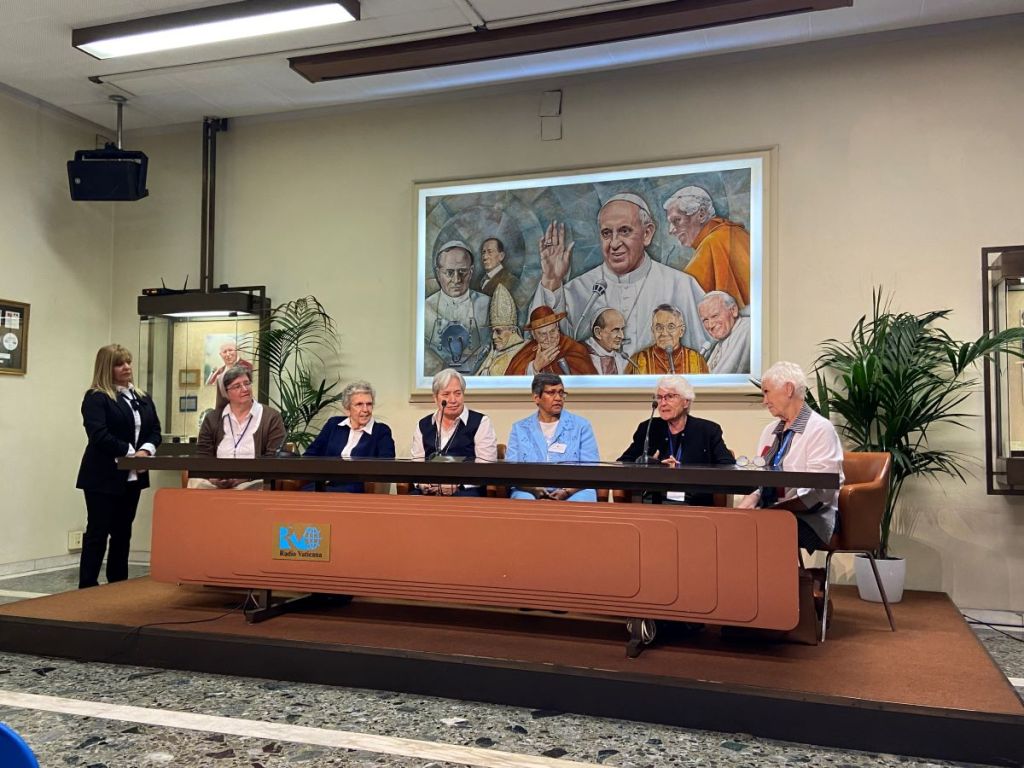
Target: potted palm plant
[(296, 345), (897, 377)]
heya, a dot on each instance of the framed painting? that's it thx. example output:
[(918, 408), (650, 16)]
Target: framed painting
[(13, 337), (608, 277)]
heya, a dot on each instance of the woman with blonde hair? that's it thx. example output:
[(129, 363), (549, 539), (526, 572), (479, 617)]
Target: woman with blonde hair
[(120, 420)]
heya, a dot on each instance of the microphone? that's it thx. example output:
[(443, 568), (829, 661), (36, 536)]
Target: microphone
[(282, 452), (595, 293), (671, 362), (645, 457), (440, 421)]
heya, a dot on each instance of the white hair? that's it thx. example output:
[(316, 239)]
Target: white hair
[(677, 384), (727, 300), (690, 200), (356, 388), (441, 378), (787, 373)]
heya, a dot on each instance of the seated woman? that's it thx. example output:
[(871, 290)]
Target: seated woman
[(357, 436), (801, 440), (675, 438), (243, 429)]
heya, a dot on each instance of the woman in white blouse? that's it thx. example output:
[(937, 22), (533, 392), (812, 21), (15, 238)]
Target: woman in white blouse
[(801, 440), (243, 429)]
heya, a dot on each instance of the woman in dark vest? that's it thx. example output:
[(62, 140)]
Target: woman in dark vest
[(453, 430)]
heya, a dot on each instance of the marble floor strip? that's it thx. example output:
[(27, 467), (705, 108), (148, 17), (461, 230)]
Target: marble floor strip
[(23, 595), (451, 753)]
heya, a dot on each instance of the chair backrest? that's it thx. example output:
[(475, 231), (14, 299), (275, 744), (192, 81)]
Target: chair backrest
[(862, 500), (14, 752)]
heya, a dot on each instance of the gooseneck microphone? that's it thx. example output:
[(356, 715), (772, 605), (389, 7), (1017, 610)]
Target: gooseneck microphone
[(440, 422), (282, 452), (671, 362), (645, 457), (595, 293)]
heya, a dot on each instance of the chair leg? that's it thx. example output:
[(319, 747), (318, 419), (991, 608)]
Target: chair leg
[(881, 591), (824, 612)]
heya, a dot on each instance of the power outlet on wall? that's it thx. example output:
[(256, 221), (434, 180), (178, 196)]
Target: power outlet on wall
[(75, 541)]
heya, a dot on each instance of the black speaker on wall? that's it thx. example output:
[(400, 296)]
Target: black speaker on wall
[(108, 174)]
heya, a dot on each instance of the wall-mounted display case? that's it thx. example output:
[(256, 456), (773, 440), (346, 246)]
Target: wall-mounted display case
[(186, 342), (1002, 270)]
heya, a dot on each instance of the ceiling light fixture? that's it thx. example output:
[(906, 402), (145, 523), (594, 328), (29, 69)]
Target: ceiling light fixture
[(219, 23)]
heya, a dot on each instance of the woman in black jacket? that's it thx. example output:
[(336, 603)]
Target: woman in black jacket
[(120, 420)]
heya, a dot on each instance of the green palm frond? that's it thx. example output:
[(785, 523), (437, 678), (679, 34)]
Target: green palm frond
[(893, 380), (297, 343)]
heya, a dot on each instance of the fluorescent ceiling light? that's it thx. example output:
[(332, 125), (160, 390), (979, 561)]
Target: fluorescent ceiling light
[(232, 21)]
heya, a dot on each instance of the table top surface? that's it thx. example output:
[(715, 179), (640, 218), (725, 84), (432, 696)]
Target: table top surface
[(655, 477)]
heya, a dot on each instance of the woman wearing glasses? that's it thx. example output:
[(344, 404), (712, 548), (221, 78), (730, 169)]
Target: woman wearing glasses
[(243, 429), (674, 437), (120, 420)]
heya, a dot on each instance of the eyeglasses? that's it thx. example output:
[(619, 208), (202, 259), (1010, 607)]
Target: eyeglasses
[(556, 393), (670, 328), (460, 273), (240, 385), (757, 461), (671, 396)]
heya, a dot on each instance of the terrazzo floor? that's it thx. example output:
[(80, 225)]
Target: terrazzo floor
[(109, 716)]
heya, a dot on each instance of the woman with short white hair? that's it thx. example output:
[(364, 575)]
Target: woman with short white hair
[(356, 435), (676, 438), (800, 440)]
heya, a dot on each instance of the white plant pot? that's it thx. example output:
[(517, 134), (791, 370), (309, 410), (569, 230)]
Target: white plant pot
[(892, 571)]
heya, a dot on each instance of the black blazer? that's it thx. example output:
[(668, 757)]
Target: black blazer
[(334, 437), (110, 427), (702, 443)]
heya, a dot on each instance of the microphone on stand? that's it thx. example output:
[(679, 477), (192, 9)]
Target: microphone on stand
[(645, 457), (440, 421), (282, 452), (671, 362), (595, 293)]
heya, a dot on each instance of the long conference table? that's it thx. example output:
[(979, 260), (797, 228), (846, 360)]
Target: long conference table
[(642, 562)]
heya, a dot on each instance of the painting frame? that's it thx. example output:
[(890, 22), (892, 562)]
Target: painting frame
[(14, 319), (471, 212)]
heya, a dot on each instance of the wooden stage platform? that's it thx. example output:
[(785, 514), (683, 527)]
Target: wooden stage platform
[(928, 690)]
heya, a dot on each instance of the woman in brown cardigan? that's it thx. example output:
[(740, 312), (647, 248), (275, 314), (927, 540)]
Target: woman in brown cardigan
[(244, 429)]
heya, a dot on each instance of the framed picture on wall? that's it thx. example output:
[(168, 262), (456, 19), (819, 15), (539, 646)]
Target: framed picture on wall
[(13, 337), (609, 277), (188, 377)]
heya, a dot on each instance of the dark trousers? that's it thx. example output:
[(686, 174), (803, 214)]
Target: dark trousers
[(110, 516)]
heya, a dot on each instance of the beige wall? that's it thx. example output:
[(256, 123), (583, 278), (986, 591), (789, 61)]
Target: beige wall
[(57, 256), (897, 158)]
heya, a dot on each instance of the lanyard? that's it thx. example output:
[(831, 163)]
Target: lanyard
[(231, 425), (674, 449), (787, 437)]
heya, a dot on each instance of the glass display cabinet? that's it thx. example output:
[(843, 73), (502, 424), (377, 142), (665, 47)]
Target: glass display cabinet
[(1002, 271), (186, 341)]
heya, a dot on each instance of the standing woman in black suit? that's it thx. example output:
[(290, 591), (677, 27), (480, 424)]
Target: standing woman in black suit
[(120, 420)]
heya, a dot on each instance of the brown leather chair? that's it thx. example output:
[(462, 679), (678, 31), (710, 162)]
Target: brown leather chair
[(861, 504)]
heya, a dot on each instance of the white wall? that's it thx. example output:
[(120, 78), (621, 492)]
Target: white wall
[(898, 158), (57, 256)]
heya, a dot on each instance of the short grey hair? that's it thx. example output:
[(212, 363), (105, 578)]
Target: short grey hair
[(443, 377), (727, 300), (235, 372), (677, 384), (690, 200), (785, 372), (356, 388)]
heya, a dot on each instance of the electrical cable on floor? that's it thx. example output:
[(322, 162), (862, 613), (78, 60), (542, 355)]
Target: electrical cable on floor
[(134, 632), (971, 620)]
